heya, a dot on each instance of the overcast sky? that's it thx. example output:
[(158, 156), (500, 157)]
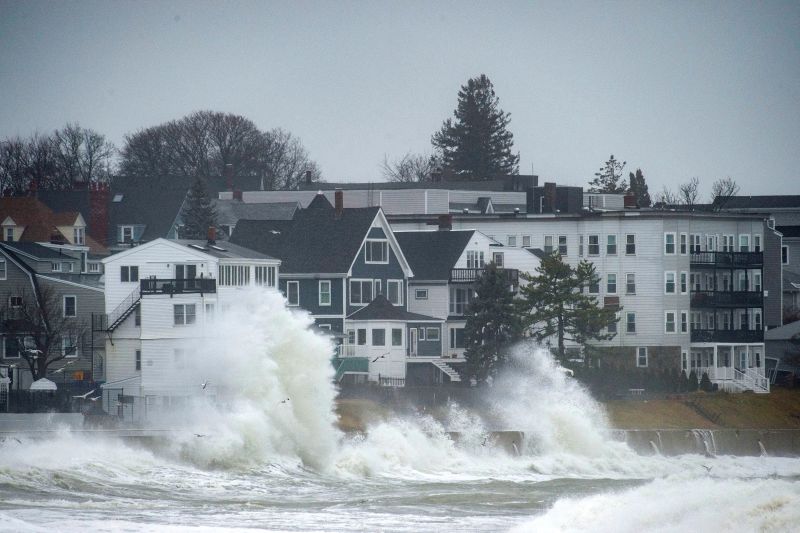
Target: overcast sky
[(679, 89)]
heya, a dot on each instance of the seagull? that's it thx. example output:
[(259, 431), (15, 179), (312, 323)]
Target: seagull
[(708, 468), (96, 398), (200, 435), (204, 385), (84, 396), (379, 357), (60, 370), (284, 401)]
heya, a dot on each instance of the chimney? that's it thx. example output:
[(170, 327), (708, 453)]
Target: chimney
[(445, 222), (229, 176), (99, 198), (237, 195), (630, 201), (308, 177), (436, 175), (212, 235), (338, 196)]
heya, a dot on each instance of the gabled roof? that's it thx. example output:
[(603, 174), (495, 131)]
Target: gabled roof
[(791, 280), (314, 241), (789, 231), (432, 254), (776, 201), (231, 211), (783, 333), (39, 220), (222, 250), (154, 208), (36, 251), (382, 309)]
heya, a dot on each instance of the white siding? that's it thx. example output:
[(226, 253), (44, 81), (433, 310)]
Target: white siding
[(437, 304)]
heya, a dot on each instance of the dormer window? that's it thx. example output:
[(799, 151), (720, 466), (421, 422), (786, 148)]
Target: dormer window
[(126, 234), (9, 235), (376, 251), (79, 235)]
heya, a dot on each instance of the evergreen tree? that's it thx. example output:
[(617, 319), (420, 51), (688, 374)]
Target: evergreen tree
[(199, 213), (639, 188), (477, 143), (693, 385), (559, 306), (607, 179), (493, 324)]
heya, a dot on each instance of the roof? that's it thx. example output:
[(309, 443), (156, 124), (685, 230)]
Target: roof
[(792, 278), (223, 250), (789, 231), (36, 251), (140, 205), (777, 201), (231, 211), (417, 246), (382, 309), (39, 220), (314, 241), (498, 183), (538, 252), (783, 333)]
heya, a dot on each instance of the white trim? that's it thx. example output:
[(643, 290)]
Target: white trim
[(646, 357), (319, 293), (683, 243), (399, 290), (674, 243), (71, 283), (5, 269), (64, 305), (288, 292), (634, 243), (154, 242), (616, 244), (367, 245), (674, 282), (416, 294), (616, 283), (350, 281), (683, 278), (674, 322), (684, 314)]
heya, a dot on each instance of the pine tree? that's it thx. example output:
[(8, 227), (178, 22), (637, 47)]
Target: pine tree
[(607, 179), (493, 324), (559, 306), (477, 144), (199, 213), (639, 188)]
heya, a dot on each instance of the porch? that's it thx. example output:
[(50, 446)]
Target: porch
[(733, 367)]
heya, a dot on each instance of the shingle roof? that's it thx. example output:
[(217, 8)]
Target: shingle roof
[(431, 254), (156, 209), (498, 183), (231, 211), (789, 231), (314, 241), (38, 219), (763, 202), (223, 249), (382, 309), (36, 250)]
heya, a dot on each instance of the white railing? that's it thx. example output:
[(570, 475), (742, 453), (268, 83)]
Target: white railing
[(733, 378), (353, 350)]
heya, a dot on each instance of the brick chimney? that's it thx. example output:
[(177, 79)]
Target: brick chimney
[(228, 172), (630, 201), (338, 197), (212, 235), (237, 195), (308, 177), (445, 222), (549, 197), (99, 199)]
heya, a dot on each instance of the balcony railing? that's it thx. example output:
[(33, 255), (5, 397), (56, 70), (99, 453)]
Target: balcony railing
[(727, 335), (471, 275), (727, 299), (728, 259), (178, 286)]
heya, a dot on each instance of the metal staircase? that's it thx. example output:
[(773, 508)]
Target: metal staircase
[(447, 369), (123, 310)]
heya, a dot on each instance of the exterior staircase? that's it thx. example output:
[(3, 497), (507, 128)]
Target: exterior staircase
[(127, 306), (447, 369)]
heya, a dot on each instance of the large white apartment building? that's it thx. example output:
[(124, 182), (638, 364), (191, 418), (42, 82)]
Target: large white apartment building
[(158, 295), (695, 290)]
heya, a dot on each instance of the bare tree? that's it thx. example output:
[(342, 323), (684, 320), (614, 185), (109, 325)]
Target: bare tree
[(666, 198), (13, 165), (689, 192), (83, 155), (44, 335), (411, 168), (722, 191)]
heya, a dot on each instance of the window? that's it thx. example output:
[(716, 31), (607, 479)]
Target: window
[(78, 235), (376, 251), (630, 323), (684, 283), (232, 275), (669, 282), (630, 283), (421, 334), (611, 245), (457, 339), (594, 285), (580, 245), (630, 244), (351, 336), (394, 288), (548, 244), (433, 334), (460, 297), (67, 267), (15, 301), (397, 337), (684, 361), (293, 292), (9, 234), (179, 358), (641, 356), (126, 234), (70, 306), (757, 325), (69, 346), (526, 241), (94, 267), (13, 347), (475, 259), (611, 283), (727, 243), (684, 243), (711, 243), (756, 243), (376, 287), (669, 322), (512, 240), (137, 359), (594, 245), (757, 282), (562, 245), (669, 244), (694, 243), (421, 294), (744, 243), (183, 314), (785, 255), (55, 267), (362, 336), (742, 282), (684, 322), (612, 327), (497, 257), (2, 269), (379, 337), (129, 274), (324, 292), (360, 292), (137, 316), (264, 275)]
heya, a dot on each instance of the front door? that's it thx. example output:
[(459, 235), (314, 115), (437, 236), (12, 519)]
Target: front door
[(413, 344), (185, 272)]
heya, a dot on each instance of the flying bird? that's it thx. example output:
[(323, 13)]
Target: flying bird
[(284, 401), (84, 396), (379, 357), (96, 398), (204, 385), (708, 468), (200, 435)]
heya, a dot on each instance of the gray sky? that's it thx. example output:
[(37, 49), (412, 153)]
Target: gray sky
[(679, 89)]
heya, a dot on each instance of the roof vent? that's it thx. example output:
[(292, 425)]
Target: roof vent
[(198, 247)]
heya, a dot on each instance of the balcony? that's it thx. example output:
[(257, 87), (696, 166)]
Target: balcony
[(727, 299), (727, 259), (727, 335), (471, 275), (178, 286)]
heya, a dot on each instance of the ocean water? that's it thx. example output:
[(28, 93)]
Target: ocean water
[(269, 457)]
